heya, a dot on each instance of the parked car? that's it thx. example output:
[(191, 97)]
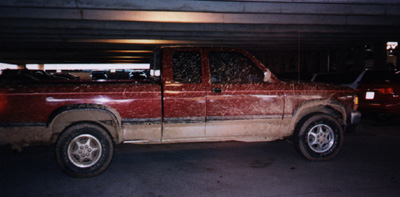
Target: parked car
[(118, 75), (99, 75), (381, 96), (137, 75), (67, 76), (203, 95), (16, 78), (20, 74), (351, 79)]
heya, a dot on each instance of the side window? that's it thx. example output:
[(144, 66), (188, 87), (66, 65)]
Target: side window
[(186, 67), (231, 67)]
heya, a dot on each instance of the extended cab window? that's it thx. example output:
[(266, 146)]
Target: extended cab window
[(232, 67), (186, 67)]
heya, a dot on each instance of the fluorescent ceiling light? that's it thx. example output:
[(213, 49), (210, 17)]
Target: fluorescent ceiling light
[(89, 66), (135, 41)]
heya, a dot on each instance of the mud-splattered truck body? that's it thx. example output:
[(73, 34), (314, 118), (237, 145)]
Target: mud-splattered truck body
[(202, 94)]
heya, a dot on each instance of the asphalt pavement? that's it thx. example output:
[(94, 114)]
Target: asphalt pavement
[(368, 165)]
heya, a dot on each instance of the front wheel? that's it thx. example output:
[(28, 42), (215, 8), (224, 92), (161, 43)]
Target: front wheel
[(84, 150), (319, 138)]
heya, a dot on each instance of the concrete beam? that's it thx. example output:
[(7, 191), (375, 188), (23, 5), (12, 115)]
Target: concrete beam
[(84, 25), (268, 25), (196, 17), (33, 33), (361, 7)]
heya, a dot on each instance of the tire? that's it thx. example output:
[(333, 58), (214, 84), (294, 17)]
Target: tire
[(84, 150), (319, 137)]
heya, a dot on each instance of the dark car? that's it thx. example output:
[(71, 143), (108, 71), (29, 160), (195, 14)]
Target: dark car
[(15, 78), (380, 96), (137, 75), (99, 75), (65, 76), (351, 79), (28, 75)]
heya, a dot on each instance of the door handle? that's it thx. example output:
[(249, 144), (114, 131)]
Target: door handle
[(216, 90)]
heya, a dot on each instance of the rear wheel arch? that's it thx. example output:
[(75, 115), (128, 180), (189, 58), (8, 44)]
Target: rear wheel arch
[(104, 116)]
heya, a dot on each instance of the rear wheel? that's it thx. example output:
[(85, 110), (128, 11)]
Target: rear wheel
[(84, 150), (319, 137)]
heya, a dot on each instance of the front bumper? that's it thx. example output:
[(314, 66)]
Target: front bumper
[(353, 121), (380, 108), (355, 118)]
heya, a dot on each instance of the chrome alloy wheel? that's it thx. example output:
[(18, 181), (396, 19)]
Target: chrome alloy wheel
[(84, 150), (320, 138)]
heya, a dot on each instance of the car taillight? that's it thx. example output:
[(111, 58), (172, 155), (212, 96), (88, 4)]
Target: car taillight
[(385, 90)]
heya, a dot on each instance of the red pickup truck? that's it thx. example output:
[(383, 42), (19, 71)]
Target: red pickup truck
[(201, 94)]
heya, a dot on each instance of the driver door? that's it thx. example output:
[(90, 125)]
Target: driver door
[(239, 103)]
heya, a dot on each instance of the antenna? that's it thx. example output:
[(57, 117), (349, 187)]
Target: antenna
[(298, 56)]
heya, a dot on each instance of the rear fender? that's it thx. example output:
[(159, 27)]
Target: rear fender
[(104, 116)]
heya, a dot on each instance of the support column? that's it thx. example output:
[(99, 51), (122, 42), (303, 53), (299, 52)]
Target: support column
[(380, 56), (340, 60), (324, 62), (41, 66), (359, 57), (397, 54), (21, 66), (312, 62)]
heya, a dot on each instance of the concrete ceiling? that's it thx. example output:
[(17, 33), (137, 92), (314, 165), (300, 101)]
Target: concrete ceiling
[(100, 31)]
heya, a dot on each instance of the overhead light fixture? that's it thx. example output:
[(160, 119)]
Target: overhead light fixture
[(84, 66), (129, 51), (136, 41), (129, 57)]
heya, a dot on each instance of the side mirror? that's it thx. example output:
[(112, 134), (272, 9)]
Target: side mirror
[(267, 76)]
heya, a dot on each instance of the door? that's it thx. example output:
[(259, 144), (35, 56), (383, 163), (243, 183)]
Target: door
[(183, 95), (240, 105)]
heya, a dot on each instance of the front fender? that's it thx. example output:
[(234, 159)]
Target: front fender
[(327, 106)]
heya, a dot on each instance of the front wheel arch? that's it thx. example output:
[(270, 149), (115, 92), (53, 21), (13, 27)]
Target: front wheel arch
[(331, 107)]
